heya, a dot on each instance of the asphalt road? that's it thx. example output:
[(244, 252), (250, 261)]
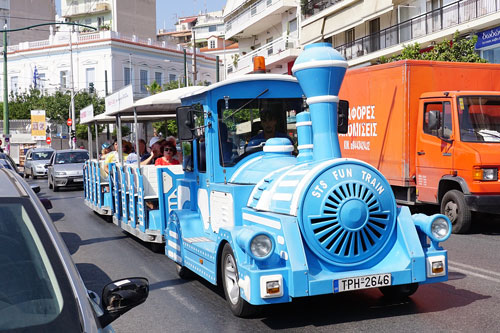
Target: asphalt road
[(468, 302)]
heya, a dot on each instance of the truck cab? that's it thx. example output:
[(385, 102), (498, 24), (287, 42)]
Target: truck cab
[(456, 163)]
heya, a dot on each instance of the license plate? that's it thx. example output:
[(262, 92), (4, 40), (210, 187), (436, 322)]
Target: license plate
[(362, 282), (77, 180)]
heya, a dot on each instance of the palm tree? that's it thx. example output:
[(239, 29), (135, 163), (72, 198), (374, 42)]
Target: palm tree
[(153, 88)]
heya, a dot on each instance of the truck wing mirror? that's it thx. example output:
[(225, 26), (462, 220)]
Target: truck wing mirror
[(343, 116), (185, 123), (434, 120)]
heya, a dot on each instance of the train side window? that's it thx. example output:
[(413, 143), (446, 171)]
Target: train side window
[(187, 156)]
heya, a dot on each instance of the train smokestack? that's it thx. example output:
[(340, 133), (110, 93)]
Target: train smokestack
[(320, 70)]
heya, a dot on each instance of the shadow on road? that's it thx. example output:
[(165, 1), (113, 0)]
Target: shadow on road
[(73, 241), (363, 305), (93, 277), (56, 216)]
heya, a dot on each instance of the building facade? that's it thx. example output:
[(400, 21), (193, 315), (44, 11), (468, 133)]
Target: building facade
[(23, 13), (365, 30), (129, 17), (104, 61), (268, 28)]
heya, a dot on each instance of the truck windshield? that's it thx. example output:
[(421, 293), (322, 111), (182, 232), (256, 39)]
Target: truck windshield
[(244, 131), (479, 118)]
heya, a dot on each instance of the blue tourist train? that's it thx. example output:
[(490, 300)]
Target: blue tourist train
[(264, 204)]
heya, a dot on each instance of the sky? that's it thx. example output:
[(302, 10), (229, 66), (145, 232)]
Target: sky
[(168, 10)]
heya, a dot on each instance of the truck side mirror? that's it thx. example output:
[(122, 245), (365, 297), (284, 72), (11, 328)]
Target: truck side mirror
[(434, 120), (343, 116), (185, 123)]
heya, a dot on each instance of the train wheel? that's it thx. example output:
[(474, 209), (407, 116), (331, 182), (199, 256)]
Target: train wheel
[(183, 272), (454, 206), (229, 269), (399, 292)]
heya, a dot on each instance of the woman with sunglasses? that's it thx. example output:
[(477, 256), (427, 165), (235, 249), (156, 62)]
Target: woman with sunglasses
[(169, 151)]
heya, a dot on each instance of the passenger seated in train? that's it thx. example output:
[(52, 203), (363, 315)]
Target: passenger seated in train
[(169, 151)]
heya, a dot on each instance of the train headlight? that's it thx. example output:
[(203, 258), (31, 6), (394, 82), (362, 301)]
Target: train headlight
[(437, 227), (258, 244), (440, 228), (261, 245)]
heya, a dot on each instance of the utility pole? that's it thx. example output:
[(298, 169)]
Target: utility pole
[(5, 93), (194, 59), (73, 120)]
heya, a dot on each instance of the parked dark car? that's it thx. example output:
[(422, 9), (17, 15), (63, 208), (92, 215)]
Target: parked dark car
[(41, 289)]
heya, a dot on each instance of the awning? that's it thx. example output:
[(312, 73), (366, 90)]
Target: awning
[(164, 103), (311, 32)]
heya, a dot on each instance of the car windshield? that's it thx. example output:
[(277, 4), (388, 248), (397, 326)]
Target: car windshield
[(42, 155), (245, 125), (34, 294), (479, 118), (72, 157)]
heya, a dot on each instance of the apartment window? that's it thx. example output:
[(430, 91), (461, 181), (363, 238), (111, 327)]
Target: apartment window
[(212, 44), (253, 10), (14, 82), (269, 2), (172, 77), (270, 47), (89, 76), (292, 25), (100, 21), (374, 36), (212, 28), (349, 36), (159, 78), (63, 79), (144, 80), (88, 21), (41, 81), (127, 76)]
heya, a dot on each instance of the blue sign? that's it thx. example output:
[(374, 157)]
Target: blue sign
[(488, 37)]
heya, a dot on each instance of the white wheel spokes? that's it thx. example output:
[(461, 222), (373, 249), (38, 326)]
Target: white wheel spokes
[(231, 278)]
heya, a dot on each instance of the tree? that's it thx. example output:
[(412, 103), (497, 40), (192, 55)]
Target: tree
[(458, 50), (154, 88)]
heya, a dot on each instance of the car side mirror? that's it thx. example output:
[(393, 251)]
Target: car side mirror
[(434, 120), (121, 296), (46, 203), (185, 123), (343, 117), (35, 188)]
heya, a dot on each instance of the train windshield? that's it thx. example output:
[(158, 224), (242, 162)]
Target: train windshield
[(245, 125), (479, 118)]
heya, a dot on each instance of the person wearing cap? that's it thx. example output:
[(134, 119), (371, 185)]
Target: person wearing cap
[(105, 149), (155, 145)]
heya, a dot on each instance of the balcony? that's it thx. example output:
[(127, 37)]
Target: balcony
[(449, 16), (313, 7), (278, 52), (257, 17), (88, 8)]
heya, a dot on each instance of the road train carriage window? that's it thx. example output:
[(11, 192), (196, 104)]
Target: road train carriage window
[(479, 118), (245, 125)]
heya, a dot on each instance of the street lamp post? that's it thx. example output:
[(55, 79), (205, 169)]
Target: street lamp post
[(6, 133)]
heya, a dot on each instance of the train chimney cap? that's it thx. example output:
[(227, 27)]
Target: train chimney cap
[(259, 64)]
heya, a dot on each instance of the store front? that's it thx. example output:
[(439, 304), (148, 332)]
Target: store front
[(488, 44)]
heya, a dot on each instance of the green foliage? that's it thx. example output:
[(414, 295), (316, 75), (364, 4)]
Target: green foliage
[(56, 106), (457, 50), (125, 131), (154, 88)]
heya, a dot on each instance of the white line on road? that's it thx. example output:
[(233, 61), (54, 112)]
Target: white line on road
[(469, 272), (473, 268)]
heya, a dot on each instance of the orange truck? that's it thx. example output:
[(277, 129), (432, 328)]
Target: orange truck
[(433, 129)]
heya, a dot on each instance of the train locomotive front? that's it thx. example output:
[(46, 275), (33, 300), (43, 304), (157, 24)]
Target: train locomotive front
[(316, 223)]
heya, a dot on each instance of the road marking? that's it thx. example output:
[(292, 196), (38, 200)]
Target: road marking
[(465, 270)]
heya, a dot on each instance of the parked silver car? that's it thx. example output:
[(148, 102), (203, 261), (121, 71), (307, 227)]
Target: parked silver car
[(41, 289), (65, 168), (34, 164)]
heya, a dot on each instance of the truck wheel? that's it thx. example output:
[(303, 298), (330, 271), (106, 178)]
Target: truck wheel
[(230, 277), (399, 292), (454, 206)]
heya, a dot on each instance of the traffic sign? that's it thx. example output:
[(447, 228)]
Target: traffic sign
[(69, 122), (48, 140)]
